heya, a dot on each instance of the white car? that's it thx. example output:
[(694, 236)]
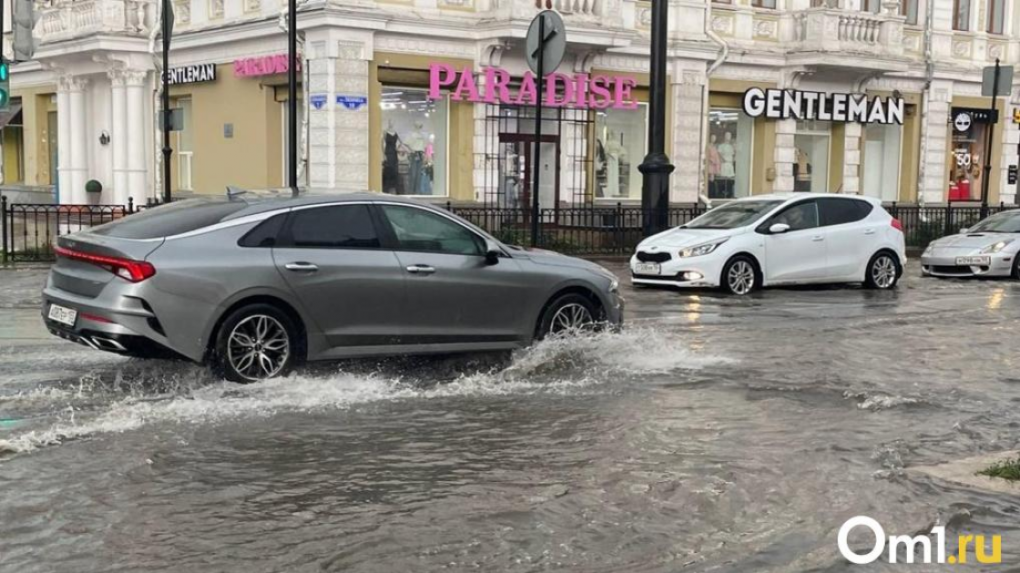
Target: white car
[(989, 248), (797, 238)]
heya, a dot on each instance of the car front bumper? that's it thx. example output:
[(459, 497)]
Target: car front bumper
[(691, 272), (944, 265)]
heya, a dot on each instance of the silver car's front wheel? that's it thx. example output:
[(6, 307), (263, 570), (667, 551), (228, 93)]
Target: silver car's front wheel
[(254, 343)]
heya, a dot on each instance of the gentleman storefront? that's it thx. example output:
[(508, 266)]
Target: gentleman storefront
[(968, 128), (448, 130), (836, 142)]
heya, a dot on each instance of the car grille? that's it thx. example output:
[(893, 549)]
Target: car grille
[(951, 270), (653, 257)]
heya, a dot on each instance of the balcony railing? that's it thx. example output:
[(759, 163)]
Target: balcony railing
[(835, 30), (68, 19)]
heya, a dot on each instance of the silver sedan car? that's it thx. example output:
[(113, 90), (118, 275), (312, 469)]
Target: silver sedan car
[(255, 285), (989, 248)]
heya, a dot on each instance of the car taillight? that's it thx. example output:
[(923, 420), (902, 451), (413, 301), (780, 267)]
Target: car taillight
[(897, 225), (127, 269)]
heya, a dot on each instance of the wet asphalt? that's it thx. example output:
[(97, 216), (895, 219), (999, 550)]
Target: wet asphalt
[(713, 434)]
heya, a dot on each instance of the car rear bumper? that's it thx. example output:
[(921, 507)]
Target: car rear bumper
[(1000, 265)]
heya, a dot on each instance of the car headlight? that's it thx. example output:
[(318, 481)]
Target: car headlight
[(928, 250), (614, 285), (700, 250), (996, 247)]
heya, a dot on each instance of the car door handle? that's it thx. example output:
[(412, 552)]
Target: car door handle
[(869, 232), (421, 269), (301, 267), (817, 239)]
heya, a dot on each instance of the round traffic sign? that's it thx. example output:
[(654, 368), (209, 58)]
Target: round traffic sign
[(555, 42)]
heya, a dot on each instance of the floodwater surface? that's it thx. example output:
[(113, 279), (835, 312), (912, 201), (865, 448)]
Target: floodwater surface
[(713, 434)]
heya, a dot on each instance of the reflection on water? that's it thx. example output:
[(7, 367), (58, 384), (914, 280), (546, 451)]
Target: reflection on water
[(739, 445)]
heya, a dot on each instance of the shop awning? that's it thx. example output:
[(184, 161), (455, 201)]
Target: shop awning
[(10, 114)]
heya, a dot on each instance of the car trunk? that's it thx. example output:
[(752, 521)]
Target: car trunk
[(87, 278)]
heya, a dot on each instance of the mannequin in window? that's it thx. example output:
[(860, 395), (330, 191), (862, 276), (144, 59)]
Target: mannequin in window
[(727, 170), (714, 161), (511, 178), (802, 172), (615, 154), (417, 180), (391, 172)]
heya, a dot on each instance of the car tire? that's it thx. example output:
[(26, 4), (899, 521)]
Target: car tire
[(571, 311), (740, 276), (1016, 267), (883, 271), (256, 342)]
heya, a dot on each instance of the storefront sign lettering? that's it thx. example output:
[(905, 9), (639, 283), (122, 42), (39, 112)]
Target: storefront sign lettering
[(262, 66), (846, 108), (582, 91), (192, 74)]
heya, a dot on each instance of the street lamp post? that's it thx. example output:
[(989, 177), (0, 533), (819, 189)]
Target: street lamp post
[(656, 166), (167, 24), (292, 109)]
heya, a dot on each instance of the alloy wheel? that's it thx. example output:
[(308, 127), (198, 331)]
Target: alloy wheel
[(740, 277), (569, 317), (883, 272), (258, 347)]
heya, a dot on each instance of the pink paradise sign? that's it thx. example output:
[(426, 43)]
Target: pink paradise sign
[(262, 66), (579, 90)]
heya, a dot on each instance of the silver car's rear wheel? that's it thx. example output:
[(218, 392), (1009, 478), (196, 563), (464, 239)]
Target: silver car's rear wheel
[(256, 342), (258, 347)]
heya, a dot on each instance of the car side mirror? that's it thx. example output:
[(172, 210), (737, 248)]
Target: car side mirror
[(492, 254), (779, 228)]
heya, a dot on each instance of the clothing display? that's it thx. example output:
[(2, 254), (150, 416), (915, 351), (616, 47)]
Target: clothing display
[(391, 167), (802, 172)]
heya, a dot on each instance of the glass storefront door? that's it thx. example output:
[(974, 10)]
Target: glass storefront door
[(882, 145), (811, 164), (517, 165)]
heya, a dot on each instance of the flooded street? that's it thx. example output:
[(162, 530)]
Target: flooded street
[(713, 434)]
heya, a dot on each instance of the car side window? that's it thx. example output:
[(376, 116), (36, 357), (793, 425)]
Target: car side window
[(421, 230), (264, 234), (843, 211), (799, 216), (331, 227)]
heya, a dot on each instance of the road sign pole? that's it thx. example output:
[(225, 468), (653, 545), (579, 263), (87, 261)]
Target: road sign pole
[(993, 120), (165, 99), (535, 164)]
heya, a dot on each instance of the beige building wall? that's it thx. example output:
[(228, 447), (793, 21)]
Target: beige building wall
[(253, 157)]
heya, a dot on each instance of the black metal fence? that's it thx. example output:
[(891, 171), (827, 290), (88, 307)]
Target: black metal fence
[(29, 230)]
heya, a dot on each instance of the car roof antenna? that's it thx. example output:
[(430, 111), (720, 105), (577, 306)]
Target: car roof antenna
[(235, 192)]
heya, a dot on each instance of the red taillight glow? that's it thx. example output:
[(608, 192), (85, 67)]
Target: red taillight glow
[(897, 225), (95, 318), (128, 269)]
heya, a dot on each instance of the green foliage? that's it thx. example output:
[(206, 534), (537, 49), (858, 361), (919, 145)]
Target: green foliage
[(1008, 470)]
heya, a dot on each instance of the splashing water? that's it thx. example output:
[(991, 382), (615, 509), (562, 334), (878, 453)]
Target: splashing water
[(158, 394)]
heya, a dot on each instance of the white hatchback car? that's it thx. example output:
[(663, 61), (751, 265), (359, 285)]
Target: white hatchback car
[(797, 238)]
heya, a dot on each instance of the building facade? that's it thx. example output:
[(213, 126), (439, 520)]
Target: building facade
[(433, 98)]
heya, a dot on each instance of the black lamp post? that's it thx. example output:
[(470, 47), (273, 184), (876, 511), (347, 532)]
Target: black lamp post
[(656, 166), (168, 25), (292, 109)]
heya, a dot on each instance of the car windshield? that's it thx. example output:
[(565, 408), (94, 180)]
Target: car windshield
[(733, 215), (999, 223)]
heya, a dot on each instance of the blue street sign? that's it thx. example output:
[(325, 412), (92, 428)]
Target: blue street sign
[(351, 102), (318, 101)]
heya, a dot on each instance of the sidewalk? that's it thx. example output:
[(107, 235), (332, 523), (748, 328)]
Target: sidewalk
[(21, 286)]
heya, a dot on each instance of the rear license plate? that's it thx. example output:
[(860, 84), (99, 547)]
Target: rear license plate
[(647, 269), (62, 314), (974, 261)]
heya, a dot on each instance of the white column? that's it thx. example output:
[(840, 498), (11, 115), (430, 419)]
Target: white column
[(118, 101), (350, 127), (64, 140), (134, 93), (688, 125), (934, 184), (852, 158), (79, 140)]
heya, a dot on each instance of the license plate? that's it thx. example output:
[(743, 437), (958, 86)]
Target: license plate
[(62, 314), (974, 261), (647, 269)]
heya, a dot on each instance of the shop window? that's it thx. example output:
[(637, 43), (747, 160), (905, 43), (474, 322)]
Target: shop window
[(728, 155), (996, 16), (619, 149), (882, 145), (967, 158), (414, 142), (961, 15), (811, 161), (908, 8)]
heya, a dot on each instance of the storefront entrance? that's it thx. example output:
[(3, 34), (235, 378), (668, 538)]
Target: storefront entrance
[(517, 170)]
